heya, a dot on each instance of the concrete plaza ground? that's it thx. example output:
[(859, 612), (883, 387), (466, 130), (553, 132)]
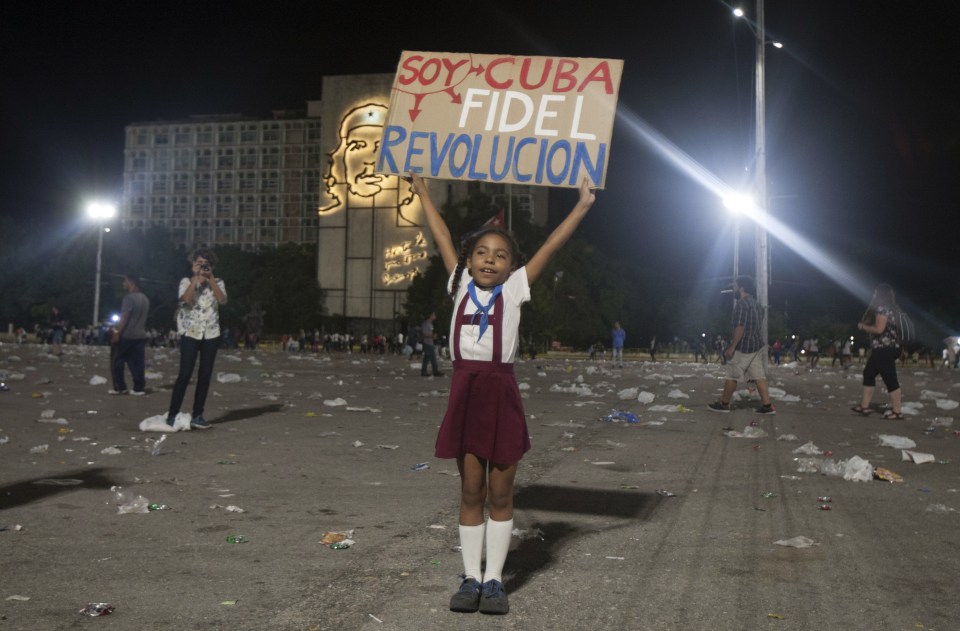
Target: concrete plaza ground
[(602, 548)]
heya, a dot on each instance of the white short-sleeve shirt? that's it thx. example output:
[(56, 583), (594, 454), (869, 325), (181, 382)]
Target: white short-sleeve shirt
[(515, 292), (200, 320)]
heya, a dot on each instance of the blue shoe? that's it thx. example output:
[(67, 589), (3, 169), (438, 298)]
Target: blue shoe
[(198, 422), (493, 600), (171, 419), (467, 598)]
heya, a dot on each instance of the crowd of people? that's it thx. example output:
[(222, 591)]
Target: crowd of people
[(316, 341)]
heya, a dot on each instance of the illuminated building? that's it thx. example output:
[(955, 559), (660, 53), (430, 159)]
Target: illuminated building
[(224, 179), (301, 176)]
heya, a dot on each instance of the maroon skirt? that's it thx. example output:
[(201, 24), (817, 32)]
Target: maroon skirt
[(485, 414)]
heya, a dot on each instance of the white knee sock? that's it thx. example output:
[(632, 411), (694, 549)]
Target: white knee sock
[(471, 549), (498, 544)]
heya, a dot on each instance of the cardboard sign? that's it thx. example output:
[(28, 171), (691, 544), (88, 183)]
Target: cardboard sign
[(501, 118)]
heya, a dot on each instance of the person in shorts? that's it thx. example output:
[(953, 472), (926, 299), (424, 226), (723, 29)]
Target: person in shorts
[(746, 350)]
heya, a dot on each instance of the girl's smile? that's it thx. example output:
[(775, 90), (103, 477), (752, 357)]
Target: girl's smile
[(490, 262)]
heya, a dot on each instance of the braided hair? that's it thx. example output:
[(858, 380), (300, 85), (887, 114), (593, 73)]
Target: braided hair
[(467, 244)]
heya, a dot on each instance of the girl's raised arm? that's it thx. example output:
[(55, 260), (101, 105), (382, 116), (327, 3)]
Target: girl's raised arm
[(439, 230), (561, 234)]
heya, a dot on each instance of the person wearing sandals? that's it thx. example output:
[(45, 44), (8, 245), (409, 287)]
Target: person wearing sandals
[(879, 321), (746, 350), (198, 325)]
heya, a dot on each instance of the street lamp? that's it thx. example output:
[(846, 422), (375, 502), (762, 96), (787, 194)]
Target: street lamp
[(761, 251), (737, 204), (99, 212)]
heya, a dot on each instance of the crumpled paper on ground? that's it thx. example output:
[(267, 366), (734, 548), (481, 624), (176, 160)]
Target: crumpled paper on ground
[(797, 542), (750, 431), (899, 442), (646, 397), (158, 423), (858, 470), (808, 448), (916, 456)]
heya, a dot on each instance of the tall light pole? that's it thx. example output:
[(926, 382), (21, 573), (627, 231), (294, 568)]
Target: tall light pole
[(99, 212), (763, 270), (761, 250)]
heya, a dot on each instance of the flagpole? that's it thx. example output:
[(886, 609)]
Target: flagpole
[(509, 207)]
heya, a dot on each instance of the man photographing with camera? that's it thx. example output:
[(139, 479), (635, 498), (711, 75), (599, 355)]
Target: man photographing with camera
[(198, 327)]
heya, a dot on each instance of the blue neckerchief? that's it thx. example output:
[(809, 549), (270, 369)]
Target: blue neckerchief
[(482, 311)]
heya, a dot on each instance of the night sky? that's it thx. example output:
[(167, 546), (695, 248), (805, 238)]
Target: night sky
[(863, 137)]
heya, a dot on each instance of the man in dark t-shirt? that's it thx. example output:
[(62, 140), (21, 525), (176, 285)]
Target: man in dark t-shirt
[(130, 336)]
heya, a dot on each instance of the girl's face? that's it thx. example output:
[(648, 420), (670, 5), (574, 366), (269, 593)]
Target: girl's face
[(490, 263)]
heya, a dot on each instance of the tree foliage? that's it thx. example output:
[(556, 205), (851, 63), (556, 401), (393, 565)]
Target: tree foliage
[(40, 270)]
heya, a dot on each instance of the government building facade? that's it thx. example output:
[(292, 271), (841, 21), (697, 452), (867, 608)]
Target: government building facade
[(300, 176)]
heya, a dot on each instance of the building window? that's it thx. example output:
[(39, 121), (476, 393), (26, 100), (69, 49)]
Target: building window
[(223, 232), (203, 183), (271, 133), (181, 207), (247, 206), (248, 181), (161, 137), (159, 184), (181, 183), (204, 159), (202, 207), (226, 135), (271, 158), (161, 160), (139, 161), (225, 206), (205, 135), (225, 159), (182, 160), (270, 182), (293, 156), (270, 207), (248, 158), (138, 186), (248, 133), (292, 181), (183, 136), (224, 182), (246, 230), (313, 157), (158, 208)]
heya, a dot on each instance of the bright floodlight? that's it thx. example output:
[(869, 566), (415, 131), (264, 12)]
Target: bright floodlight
[(101, 210), (777, 45), (738, 12), (738, 203)]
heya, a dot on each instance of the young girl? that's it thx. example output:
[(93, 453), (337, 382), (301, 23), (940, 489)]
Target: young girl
[(484, 427)]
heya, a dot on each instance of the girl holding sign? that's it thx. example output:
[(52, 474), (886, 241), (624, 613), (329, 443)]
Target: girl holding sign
[(484, 427)]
